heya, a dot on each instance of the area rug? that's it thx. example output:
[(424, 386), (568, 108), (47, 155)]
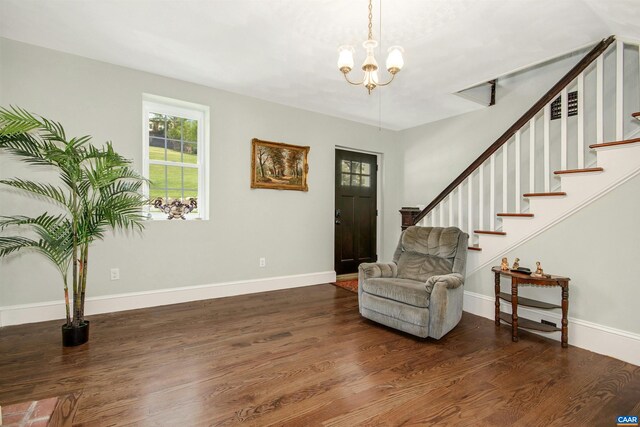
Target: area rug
[(350, 285)]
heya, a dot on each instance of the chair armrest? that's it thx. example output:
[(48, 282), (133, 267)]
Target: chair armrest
[(449, 281), (378, 269)]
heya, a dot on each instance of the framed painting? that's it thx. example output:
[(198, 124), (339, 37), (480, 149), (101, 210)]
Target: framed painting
[(278, 166)]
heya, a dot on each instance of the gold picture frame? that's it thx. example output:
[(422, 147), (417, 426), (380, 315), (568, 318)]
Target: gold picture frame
[(279, 166)]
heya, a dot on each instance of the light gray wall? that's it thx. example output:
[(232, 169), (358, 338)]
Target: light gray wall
[(293, 230), (597, 247)]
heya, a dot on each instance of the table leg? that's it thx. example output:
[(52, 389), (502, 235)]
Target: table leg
[(497, 299), (565, 310), (514, 310)]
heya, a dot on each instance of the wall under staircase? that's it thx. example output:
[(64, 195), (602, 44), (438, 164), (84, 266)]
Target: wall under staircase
[(532, 162)]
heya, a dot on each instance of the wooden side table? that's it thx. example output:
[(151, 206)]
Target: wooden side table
[(518, 279)]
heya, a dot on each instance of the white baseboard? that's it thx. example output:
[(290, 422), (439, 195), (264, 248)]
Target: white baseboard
[(52, 310), (600, 339)]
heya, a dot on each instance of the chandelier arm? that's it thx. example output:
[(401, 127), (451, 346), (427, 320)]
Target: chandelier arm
[(393, 76), (353, 83)]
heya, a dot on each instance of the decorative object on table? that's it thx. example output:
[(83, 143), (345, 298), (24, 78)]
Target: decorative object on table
[(98, 191), (176, 209), (370, 81), (516, 264), (539, 272), (279, 166), (505, 264)]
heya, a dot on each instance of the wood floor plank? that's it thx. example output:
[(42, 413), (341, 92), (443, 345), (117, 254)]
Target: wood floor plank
[(305, 357)]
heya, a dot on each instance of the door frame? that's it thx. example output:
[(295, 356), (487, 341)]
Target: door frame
[(379, 193)]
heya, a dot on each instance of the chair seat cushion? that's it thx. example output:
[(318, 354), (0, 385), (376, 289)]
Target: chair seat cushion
[(402, 290)]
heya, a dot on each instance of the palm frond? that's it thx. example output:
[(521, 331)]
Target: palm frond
[(9, 245), (15, 120), (49, 191), (44, 221), (13, 244)]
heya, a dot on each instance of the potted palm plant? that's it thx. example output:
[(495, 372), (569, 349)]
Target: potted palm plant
[(97, 191)]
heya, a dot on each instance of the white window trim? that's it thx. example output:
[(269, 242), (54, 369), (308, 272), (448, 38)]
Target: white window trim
[(188, 110)]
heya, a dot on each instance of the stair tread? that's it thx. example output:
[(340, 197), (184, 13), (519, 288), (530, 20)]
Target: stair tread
[(524, 215), (474, 248), (614, 143), (553, 193), (497, 233), (568, 171)]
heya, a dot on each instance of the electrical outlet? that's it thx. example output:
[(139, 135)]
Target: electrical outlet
[(115, 274), (262, 262)]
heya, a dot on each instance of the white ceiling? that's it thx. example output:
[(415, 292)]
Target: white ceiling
[(285, 51)]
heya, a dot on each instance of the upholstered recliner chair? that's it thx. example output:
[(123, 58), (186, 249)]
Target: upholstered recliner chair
[(421, 291)]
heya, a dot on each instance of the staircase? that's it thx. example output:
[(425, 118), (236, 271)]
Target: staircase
[(562, 154)]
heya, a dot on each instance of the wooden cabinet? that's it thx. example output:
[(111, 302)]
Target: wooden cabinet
[(521, 279)]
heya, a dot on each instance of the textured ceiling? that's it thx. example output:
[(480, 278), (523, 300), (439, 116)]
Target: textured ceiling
[(285, 51)]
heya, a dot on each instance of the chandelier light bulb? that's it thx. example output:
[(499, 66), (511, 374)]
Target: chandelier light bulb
[(345, 58), (370, 80), (395, 62)]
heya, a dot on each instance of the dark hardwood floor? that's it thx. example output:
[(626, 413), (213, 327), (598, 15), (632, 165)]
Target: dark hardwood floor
[(305, 357)]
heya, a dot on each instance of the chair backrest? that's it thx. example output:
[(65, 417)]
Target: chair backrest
[(423, 252)]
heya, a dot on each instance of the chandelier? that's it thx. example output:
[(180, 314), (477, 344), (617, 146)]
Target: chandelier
[(370, 65)]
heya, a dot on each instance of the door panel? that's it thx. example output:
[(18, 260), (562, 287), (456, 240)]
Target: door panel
[(355, 210)]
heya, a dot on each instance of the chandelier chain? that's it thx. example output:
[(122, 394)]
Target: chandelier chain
[(370, 19)]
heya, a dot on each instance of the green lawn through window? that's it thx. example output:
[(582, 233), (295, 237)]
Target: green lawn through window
[(174, 174)]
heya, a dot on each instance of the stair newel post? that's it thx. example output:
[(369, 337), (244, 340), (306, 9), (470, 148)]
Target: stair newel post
[(564, 115), (492, 192), (532, 155), (580, 121), (517, 158), (619, 90), (408, 215), (546, 154)]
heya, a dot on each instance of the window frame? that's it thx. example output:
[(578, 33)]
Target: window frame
[(187, 110)]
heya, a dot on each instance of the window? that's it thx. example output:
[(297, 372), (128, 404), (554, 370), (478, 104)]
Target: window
[(355, 174), (175, 158)]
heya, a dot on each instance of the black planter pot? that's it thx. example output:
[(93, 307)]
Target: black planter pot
[(75, 335)]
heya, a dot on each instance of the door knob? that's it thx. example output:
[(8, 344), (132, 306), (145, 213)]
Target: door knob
[(338, 222)]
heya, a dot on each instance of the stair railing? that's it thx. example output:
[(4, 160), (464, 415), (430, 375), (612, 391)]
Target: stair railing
[(448, 207)]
